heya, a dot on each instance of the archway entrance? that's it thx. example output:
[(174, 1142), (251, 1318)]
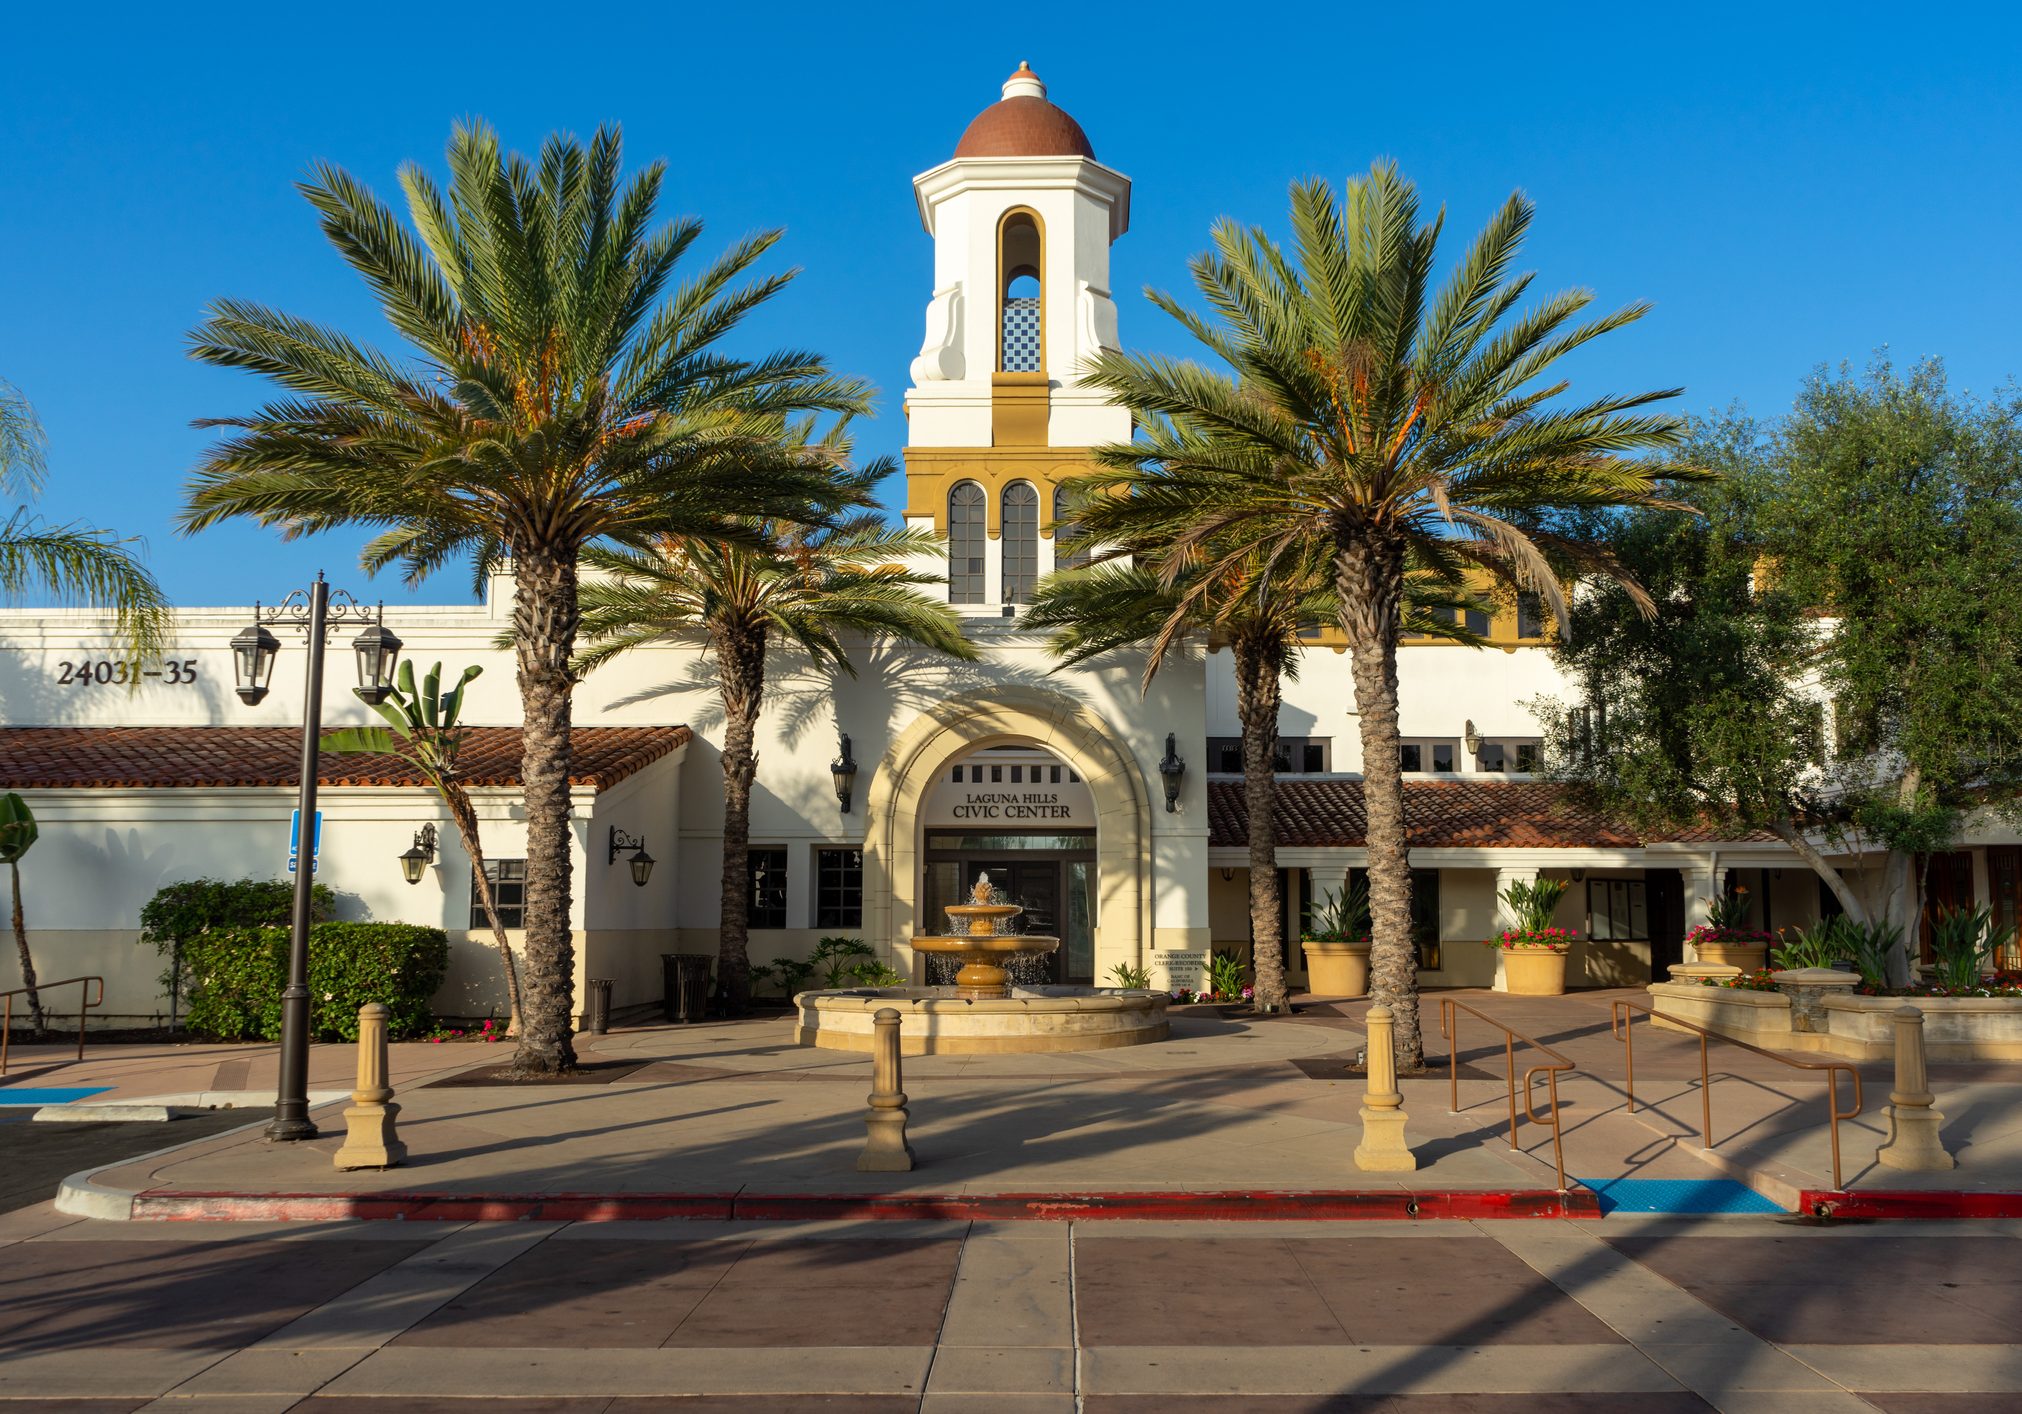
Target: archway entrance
[(1083, 843)]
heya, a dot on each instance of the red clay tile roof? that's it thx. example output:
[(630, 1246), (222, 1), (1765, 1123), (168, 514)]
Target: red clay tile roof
[(1327, 813), (170, 758)]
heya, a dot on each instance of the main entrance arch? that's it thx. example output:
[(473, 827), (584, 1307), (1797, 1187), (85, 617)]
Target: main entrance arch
[(915, 761)]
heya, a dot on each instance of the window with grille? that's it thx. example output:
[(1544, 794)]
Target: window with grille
[(1021, 542), (1297, 755), (838, 888), (508, 894), (967, 506), (768, 887), (1070, 548), (1427, 755)]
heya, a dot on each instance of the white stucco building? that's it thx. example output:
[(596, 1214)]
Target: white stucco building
[(1049, 778)]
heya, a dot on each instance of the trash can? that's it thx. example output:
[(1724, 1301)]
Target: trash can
[(686, 979), (600, 1005)]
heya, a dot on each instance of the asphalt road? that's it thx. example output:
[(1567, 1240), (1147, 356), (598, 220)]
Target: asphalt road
[(35, 1158)]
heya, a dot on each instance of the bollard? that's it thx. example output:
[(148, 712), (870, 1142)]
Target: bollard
[(369, 1139), (1383, 1148), (885, 1148), (1913, 1144)]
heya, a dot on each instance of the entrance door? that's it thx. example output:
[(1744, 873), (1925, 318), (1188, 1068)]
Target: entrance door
[(1665, 891), (2004, 880), (1051, 877)]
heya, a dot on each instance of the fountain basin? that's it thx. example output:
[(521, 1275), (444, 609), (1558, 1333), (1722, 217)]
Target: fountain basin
[(935, 1021)]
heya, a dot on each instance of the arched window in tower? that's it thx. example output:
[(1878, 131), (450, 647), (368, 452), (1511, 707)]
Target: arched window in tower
[(1018, 256), (966, 507), (1021, 542), (1070, 549)]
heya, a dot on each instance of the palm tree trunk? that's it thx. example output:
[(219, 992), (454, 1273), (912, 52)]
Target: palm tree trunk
[(36, 1020), (545, 615), (740, 659), (1258, 693), (465, 816), (1369, 577)]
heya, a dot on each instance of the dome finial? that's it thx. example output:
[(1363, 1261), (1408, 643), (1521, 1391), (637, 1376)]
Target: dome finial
[(1024, 83)]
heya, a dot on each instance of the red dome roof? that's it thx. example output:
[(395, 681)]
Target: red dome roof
[(1024, 124)]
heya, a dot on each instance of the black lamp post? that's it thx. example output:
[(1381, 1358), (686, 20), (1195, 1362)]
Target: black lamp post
[(1172, 770), (843, 771), (253, 653)]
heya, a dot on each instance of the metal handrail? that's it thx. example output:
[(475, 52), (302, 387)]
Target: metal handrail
[(1621, 1023), (85, 1001), (1449, 1027)]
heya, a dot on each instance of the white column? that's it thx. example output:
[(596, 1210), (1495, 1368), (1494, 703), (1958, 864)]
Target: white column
[(1702, 887), (1503, 917)]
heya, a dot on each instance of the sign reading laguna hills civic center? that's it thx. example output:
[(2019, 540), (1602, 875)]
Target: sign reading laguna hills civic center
[(1010, 796)]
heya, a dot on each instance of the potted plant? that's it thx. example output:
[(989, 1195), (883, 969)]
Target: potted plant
[(1724, 940), (1337, 945), (1534, 950)]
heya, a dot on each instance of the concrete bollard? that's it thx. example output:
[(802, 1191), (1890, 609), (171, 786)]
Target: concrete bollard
[(1383, 1148), (885, 1147), (1913, 1144), (369, 1140)]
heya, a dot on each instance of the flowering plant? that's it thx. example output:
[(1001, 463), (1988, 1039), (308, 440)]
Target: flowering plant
[(1723, 933), (1513, 938), (1760, 980), (1183, 995)]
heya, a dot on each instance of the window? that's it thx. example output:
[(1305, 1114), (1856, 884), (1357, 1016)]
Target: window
[(1070, 549), (1530, 615), (1477, 622), (1527, 757), (508, 894), (1021, 542), (1617, 910), (838, 888), (768, 887), (966, 507), (1297, 755), (1508, 754), (1427, 755)]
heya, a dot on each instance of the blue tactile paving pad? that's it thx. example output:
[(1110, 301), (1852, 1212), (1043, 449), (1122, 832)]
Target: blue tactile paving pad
[(47, 1094), (1677, 1195)]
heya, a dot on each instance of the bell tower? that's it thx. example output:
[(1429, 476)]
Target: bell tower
[(1022, 218)]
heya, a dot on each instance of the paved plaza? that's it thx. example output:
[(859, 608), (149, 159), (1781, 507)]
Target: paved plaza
[(1606, 1309)]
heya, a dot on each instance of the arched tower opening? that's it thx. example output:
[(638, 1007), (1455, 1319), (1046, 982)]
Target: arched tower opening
[(1020, 261)]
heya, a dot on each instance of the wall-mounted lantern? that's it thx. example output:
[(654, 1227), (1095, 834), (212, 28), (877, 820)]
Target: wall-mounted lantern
[(414, 863), (1173, 770), (843, 771), (642, 862), (1470, 738)]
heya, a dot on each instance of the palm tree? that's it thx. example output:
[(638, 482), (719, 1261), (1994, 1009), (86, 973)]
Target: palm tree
[(1367, 417), (558, 392), (74, 563), (1261, 612), (808, 588), (18, 833), (424, 728)]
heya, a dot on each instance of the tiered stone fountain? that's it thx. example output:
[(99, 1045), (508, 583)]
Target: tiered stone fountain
[(984, 1011)]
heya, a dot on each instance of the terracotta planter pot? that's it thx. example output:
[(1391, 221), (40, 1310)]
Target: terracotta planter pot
[(1337, 969), (1749, 957), (1535, 972)]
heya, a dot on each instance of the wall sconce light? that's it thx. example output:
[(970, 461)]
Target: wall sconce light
[(642, 862), (1470, 738), (414, 863), (1579, 875), (1173, 770), (843, 771), (1228, 876)]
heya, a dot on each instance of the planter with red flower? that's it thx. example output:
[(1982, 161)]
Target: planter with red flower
[(1725, 939), (1534, 950)]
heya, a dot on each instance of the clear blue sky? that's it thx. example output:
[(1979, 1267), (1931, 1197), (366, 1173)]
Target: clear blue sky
[(1789, 187)]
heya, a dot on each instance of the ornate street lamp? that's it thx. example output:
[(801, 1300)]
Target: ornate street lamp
[(253, 654), (1173, 770), (642, 862), (843, 771), (415, 861)]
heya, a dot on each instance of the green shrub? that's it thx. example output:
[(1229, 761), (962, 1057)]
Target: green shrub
[(1821, 945), (1130, 976), (180, 912), (1965, 943), (235, 976), (1227, 974)]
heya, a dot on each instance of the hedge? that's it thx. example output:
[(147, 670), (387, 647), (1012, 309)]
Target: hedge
[(236, 975)]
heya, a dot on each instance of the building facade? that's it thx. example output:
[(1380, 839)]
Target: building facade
[(1049, 777)]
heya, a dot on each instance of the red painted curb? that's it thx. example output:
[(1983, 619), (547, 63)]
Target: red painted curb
[(1908, 1203), (1343, 1205)]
